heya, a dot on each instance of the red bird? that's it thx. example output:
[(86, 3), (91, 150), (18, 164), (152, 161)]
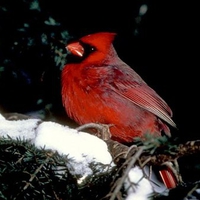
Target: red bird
[(99, 87)]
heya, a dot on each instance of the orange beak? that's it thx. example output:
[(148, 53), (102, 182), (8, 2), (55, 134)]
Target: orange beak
[(75, 48)]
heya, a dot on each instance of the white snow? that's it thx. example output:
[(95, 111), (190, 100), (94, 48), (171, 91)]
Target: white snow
[(138, 187), (83, 148), (24, 129)]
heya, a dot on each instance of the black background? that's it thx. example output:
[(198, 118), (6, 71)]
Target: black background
[(165, 52)]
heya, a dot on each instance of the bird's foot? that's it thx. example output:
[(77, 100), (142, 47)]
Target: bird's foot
[(101, 130)]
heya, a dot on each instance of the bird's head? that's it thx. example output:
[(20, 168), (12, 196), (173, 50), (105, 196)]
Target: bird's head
[(93, 47)]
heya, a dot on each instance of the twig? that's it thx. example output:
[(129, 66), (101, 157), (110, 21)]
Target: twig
[(122, 179), (36, 171), (189, 148)]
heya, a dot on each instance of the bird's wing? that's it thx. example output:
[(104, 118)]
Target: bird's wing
[(145, 97)]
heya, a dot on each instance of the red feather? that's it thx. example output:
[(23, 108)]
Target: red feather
[(101, 88)]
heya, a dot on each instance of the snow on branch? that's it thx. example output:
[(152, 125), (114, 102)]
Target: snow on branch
[(42, 155)]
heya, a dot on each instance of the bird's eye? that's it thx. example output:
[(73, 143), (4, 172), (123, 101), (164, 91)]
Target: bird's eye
[(87, 49), (92, 49)]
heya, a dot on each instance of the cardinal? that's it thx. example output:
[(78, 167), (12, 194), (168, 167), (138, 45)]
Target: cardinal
[(98, 87)]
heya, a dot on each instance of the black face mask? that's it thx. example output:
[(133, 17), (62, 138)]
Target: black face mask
[(88, 49)]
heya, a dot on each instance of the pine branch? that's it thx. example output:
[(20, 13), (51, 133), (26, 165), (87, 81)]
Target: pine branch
[(118, 151)]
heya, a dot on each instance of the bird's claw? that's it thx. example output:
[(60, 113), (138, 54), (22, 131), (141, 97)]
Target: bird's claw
[(102, 130)]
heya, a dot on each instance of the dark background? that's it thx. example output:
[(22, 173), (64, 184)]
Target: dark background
[(162, 46)]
